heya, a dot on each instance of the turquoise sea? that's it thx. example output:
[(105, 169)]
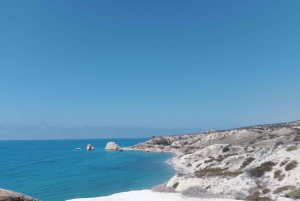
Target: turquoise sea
[(53, 170)]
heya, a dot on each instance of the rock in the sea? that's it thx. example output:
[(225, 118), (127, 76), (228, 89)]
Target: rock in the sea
[(89, 147), (112, 146), (6, 195)]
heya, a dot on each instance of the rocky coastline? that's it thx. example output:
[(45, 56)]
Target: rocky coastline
[(6, 195), (251, 163)]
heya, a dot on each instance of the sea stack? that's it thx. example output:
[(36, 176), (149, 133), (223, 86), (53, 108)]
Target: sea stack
[(89, 147), (12, 196), (112, 146)]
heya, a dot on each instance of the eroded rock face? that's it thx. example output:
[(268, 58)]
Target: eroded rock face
[(6, 195), (112, 146), (251, 163), (89, 147)]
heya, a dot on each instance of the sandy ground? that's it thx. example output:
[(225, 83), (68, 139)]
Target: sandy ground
[(147, 195)]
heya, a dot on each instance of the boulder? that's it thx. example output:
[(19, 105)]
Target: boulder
[(6, 195), (89, 147), (112, 146)]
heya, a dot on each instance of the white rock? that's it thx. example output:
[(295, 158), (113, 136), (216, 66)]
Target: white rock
[(89, 147), (112, 146)]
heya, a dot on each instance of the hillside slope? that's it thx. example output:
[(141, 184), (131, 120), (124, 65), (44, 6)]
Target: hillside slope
[(252, 163)]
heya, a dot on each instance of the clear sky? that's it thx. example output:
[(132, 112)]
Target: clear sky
[(93, 69)]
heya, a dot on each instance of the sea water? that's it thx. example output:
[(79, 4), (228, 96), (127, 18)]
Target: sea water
[(52, 170)]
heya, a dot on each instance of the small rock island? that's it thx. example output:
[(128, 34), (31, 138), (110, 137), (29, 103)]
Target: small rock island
[(7, 195), (89, 147), (112, 146)]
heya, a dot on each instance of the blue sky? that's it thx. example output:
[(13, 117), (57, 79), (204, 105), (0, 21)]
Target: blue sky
[(146, 67)]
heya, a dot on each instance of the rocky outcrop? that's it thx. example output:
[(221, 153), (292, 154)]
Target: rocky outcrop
[(89, 147), (6, 195), (112, 146), (251, 163)]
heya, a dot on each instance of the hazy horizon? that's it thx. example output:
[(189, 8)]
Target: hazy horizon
[(72, 69)]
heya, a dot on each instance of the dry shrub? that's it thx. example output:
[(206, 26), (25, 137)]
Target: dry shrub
[(247, 162), (281, 189), (175, 185), (278, 175), (295, 194), (266, 190), (255, 197), (278, 143), (292, 148), (291, 165), (297, 138), (260, 170), (216, 172), (283, 163), (163, 189)]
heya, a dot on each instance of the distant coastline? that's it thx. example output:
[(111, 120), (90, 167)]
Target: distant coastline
[(250, 163)]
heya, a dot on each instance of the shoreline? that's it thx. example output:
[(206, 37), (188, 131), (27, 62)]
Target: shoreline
[(148, 194)]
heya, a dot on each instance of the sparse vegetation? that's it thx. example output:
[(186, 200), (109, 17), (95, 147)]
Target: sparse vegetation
[(217, 172), (260, 170), (291, 165), (272, 136), (278, 175), (283, 163), (255, 197), (297, 138), (281, 189), (295, 194), (175, 185), (266, 190), (259, 137), (226, 149), (292, 148), (162, 141), (247, 162), (278, 143)]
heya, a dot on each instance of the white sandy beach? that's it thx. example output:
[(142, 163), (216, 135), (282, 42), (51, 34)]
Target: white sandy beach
[(148, 195)]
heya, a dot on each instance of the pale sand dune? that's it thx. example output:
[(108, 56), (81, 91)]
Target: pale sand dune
[(148, 195)]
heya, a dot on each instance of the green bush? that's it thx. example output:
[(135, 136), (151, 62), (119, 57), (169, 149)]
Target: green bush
[(162, 142), (260, 170), (226, 149), (175, 185)]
